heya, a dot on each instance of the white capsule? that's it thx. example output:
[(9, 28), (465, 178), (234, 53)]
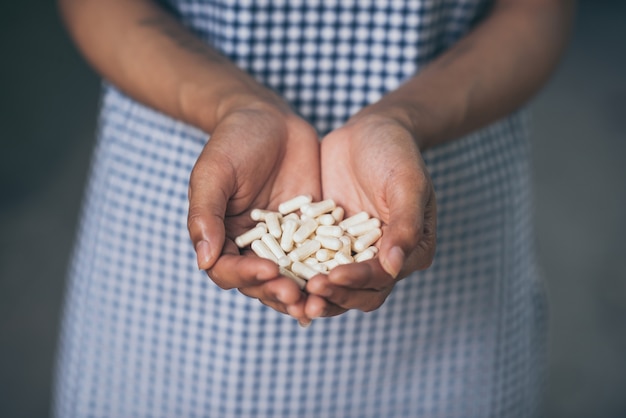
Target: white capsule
[(341, 258), (373, 248), (330, 264), (331, 243), (363, 227), (354, 219), (326, 219), (304, 218), (247, 237), (346, 245), (286, 240), (299, 281), (262, 251), (329, 230), (310, 261), (273, 245), (259, 214), (305, 230), (337, 214), (273, 225), (294, 204), (324, 255), (319, 267), (365, 255), (318, 208), (292, 216), (367, 239), (304, 271), (305, 250), (284, 262)]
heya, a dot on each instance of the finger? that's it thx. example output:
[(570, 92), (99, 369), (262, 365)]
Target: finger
[(426, 248), (280, 290), (279, 295), (363, 299), (364, 275), (232, 270), (407, 196), (317, 307), (211, 185)]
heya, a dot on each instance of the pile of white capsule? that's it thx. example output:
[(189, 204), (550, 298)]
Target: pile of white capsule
[(306, 238)]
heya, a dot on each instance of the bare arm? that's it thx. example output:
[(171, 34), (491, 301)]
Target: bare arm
[(251, 160), (153, 58), (486, 75)]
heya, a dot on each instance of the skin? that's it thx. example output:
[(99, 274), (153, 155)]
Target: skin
[(258, 145)]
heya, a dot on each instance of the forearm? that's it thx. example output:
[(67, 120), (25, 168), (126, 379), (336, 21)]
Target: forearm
[(486, 75), (153, 58)]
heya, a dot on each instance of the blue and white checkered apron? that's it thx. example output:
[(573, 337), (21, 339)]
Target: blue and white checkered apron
[(146, 334)]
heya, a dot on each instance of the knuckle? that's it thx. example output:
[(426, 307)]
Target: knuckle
[(372, 304), (194, 219), (221, 282), (341, 299)]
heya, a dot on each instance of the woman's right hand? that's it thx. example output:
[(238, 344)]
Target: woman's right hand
[(259, 155)]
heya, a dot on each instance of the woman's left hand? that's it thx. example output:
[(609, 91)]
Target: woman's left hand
[(373, 164)]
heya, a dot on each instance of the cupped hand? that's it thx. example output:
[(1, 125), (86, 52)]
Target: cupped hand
[(257, 157), (373, 163)]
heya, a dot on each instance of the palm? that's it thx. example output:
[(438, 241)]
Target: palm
[(274, 161), (374, 164), (256, 158), (353, 173)]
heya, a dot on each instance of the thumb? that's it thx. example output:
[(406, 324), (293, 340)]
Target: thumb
[(407, 201), (211, 186)]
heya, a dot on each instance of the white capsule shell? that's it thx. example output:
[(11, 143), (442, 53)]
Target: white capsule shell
[(310, 261), (259, 214), (326, 219), (342, 258), (305, 230), (292, 216), (367, 239), (294, 204), (363, 227), (262, 251), (272, 244), (286, 240), (331, 243), (247, 237), (324, 254), (329, 230), (305, 250), (354, 219), (319, 267), (273, 224), (365, 255), (346, 245), (316, 209), (330, 264), (304, 271), (337, 214), (298, 280)]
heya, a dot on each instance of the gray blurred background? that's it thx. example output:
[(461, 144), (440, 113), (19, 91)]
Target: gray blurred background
[(48, 106)]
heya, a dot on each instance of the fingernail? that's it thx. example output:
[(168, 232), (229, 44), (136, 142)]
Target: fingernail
[(304, 323), (202, 254), (394, 261)]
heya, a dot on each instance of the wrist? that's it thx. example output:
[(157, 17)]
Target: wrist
[(394, 113), (207, 107)]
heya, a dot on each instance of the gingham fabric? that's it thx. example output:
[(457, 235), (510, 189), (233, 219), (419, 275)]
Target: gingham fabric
[(145, 334)]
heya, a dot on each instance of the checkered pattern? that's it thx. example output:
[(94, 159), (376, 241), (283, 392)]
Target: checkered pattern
[(147, 335)]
